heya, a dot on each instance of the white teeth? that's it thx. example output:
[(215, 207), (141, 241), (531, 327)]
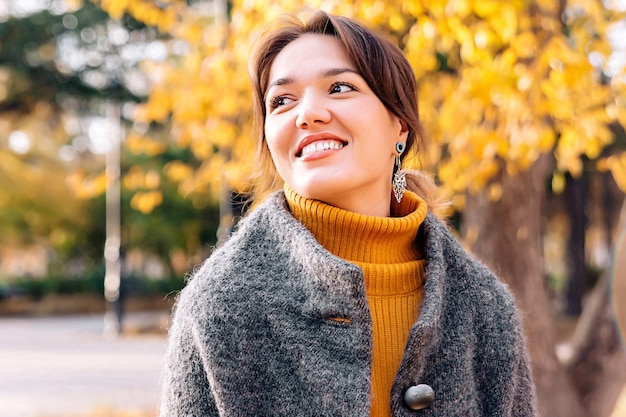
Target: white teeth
[(321, 145)]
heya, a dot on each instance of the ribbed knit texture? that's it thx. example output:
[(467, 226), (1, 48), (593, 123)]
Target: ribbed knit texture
[(386, 250)]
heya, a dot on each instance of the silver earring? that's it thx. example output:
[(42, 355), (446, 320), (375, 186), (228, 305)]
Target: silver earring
[(399, 177)]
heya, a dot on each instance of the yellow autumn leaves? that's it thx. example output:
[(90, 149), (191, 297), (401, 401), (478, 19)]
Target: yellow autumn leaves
[(500, 82)]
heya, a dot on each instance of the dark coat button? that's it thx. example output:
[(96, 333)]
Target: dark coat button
[(419, 396)]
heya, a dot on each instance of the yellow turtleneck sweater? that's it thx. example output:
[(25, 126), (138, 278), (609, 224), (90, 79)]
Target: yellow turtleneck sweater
[(386, 250)]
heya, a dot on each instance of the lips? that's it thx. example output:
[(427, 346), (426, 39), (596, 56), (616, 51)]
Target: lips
[(318, 143)]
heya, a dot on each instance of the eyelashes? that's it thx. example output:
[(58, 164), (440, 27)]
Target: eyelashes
[(336, 88), (276, 102)]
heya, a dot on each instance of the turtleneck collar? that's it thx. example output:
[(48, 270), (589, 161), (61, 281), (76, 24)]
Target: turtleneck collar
[(361, 238)]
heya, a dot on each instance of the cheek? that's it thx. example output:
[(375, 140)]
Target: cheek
[(272, 144), (276, 138), (275, 152)]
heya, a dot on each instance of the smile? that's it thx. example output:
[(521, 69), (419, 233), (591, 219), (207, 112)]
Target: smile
[(319, 146)]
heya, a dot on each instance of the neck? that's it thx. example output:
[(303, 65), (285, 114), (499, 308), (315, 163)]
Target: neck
[(357, 237), (369, 203)]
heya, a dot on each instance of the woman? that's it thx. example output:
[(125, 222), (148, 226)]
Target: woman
[(342, 294)]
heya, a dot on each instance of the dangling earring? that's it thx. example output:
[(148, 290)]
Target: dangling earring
[(399, 177)]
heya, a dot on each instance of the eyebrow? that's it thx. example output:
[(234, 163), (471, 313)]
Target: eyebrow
[(324, 74)]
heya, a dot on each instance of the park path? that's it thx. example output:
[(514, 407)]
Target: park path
[(63, 366)]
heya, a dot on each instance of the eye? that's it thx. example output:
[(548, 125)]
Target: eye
[(342, 87), (278, 101)]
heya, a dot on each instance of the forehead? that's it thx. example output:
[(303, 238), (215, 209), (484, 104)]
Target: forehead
[(309, 54)]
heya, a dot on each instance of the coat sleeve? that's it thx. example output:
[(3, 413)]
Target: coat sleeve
[(523, 392), (185, 388), (507, 366)]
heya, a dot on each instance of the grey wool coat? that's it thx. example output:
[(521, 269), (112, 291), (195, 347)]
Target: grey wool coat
[(252, 333)]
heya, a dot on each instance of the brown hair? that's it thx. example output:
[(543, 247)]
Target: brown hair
[(382, 65)]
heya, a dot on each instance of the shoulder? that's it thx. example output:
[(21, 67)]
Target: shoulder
[(475, 324), (266, 254), (466, 284), (467, 306), (259, 240)]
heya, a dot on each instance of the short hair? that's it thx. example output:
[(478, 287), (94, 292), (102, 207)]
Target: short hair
[(381, 63)]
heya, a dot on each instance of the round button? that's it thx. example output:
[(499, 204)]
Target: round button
[(419, 396)]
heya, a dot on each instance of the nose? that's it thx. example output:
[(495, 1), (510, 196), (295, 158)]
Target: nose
[(312, 110)]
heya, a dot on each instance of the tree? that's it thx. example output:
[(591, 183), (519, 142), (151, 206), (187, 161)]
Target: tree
[(43, 94), (58, 67), (597, 360), (176, 223), (511, 93)]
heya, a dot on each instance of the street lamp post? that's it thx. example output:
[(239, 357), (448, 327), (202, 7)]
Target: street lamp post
[(112, 275)]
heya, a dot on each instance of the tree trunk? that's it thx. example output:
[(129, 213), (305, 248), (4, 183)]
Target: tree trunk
[(507, 235), (598, 365), (576, 265)]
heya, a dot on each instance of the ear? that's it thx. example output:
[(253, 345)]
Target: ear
[(404, 130)]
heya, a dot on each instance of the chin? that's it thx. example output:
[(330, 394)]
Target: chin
[(319, 191)]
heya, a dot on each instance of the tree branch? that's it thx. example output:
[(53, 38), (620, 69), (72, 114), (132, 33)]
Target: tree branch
[(597, 360)]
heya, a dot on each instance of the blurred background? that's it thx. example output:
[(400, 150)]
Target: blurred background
[(126, 144)]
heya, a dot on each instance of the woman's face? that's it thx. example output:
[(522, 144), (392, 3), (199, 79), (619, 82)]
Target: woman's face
[(330, 137)]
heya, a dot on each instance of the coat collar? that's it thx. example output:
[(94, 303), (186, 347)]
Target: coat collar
[(441, 247)]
